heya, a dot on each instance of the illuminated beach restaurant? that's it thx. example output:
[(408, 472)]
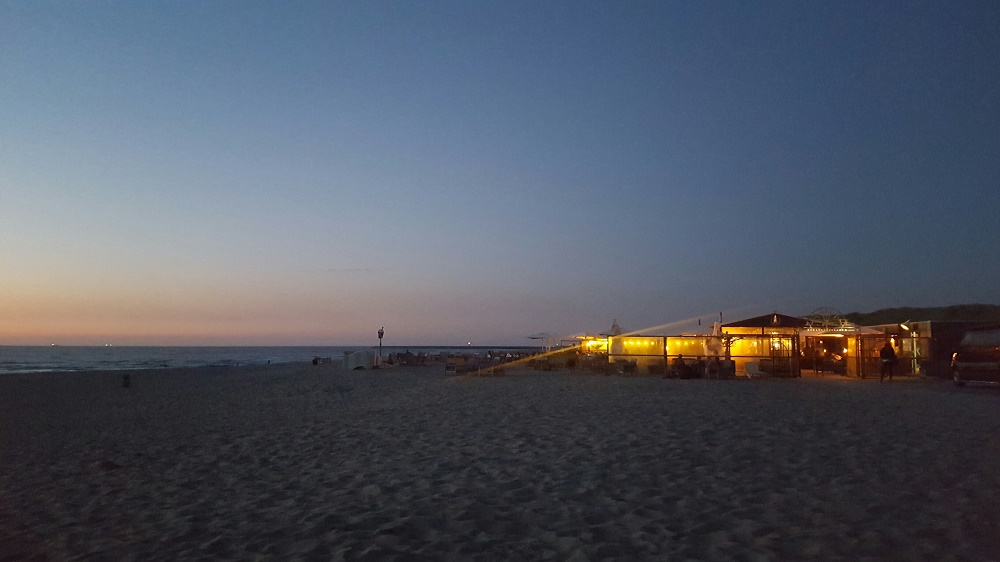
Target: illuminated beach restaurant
[(772, 344)]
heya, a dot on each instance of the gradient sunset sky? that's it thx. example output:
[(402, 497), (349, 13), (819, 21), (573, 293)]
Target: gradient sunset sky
[(283, 173)]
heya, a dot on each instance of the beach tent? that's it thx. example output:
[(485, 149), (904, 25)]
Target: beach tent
[(363, 359), (547, 337)]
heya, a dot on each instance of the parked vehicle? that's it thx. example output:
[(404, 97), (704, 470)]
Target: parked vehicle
[(978, 356)]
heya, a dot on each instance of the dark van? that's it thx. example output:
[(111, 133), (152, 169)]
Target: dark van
[(978, 356)]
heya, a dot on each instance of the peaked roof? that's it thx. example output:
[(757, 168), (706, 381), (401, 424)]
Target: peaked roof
[(773, 320)]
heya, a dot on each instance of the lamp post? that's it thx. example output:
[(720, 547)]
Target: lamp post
[(913, 345), (381, 332)]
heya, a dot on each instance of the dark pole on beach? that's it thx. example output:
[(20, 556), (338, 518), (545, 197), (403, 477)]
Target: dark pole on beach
[(381, 332)]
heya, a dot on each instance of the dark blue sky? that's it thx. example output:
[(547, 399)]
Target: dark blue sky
[(218, 172)]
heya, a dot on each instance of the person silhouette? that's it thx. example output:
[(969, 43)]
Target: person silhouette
[(888, 356), (679, 367)]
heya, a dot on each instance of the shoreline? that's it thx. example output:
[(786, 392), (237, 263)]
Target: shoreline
[(41, 359)]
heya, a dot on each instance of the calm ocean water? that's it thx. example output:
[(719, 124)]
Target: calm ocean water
[(27, 359)]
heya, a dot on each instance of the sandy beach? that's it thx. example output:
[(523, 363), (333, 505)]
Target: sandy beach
[(299, 462)]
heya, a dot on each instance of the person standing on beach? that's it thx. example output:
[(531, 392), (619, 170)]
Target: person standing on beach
[(679, 367), (888, 356)]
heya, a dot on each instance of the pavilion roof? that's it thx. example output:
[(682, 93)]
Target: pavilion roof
[(773, 320)]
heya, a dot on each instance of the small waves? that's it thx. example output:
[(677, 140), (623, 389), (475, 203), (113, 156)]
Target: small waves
[(38, 359)]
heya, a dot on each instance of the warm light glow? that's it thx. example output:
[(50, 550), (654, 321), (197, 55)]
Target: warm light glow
[(594, 345)]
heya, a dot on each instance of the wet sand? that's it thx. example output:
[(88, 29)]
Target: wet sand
[(313, 463)]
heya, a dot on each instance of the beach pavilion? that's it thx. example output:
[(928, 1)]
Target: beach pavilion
[(779, 345), (839, 346), (775, 344), (770, 342)]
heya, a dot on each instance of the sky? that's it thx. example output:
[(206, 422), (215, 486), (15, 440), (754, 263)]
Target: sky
[(304, 173)]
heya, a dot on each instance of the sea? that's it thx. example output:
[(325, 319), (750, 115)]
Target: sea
[(57, 358)]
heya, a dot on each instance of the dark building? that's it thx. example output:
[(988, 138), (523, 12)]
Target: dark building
[(925, 347)]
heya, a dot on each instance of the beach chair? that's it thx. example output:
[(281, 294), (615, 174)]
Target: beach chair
[(753, 370), (625, 367), (631, 368)]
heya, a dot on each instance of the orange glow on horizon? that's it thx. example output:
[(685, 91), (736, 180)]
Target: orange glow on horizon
[(239, 316)]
